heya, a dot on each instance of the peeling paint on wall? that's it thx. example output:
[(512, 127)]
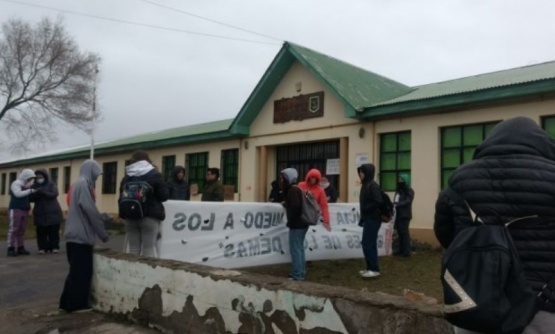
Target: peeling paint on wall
[(212, 301)]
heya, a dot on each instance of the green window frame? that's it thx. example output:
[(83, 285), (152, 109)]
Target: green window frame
[(13, 177), (3, 185), (230, 168), (548, 124), (458, 144), (168, 163), (109, 177), (54, 175), (67, 178), (197, 165), (395, 158)]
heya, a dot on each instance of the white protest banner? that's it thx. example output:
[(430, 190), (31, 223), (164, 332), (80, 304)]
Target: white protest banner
[(238, 234)]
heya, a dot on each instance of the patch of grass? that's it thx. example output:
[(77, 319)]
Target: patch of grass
[(420, 273)]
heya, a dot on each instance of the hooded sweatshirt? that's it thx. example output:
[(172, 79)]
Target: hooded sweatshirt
[(179, 189), (20, 189), (512, 176), (318, 192), (404, 197), (292, 199), (84, 222), (370, 197), (47, 210), (145, 171)]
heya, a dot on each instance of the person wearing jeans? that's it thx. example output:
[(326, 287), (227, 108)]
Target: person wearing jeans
[(142, 233), (297, 230), (370, 199)]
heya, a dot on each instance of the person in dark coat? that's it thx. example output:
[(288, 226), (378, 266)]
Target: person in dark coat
[(213, 189), (331, 192), (292, 201), (512, 176), (142, 233), (370, 199), (403, 214), (276, 194), (178, 186), (47, 213)]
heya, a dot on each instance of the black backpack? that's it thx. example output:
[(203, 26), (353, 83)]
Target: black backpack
[(386, 208), (484, 285), (133, 197)]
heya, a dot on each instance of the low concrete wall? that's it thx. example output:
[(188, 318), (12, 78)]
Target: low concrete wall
[(178, 297)]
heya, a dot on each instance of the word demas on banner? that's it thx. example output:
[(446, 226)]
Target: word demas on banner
[(236, 234)]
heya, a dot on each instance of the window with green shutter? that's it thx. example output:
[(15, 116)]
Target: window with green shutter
[(230, 168), (168, 163), (548, 124), (197, 165), (458, 144), (395, 158)]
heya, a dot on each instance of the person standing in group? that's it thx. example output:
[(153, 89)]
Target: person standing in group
[(370, 199), (312, 185), (331, 192), (292, 196), (403, 214), (142, 232), (84, 224), (213, 189), (276, 194), (47, 213), (19, 207), (511, 176), (178, 185)]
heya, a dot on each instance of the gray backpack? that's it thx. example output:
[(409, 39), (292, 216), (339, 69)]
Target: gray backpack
[(310, 211)]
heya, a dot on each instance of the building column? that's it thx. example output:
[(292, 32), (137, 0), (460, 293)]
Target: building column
[(263, 174), (344, 169)]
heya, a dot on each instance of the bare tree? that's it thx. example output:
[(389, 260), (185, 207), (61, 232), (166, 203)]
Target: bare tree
[(45, 80)]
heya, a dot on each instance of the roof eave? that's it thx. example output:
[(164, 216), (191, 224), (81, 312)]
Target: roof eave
[(463, 100)]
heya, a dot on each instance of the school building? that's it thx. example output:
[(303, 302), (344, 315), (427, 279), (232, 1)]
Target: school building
[(310, 110)]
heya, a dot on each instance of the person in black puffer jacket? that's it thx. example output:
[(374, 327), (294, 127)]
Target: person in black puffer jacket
[(512, 176), (178, 186), (142, 233), (47, 213)]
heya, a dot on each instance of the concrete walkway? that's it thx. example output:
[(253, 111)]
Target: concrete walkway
[(30, 287)]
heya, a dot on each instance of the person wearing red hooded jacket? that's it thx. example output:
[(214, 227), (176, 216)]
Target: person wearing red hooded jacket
[(312, 184)]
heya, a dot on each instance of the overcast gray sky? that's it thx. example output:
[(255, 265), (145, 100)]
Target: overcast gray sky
[(153, 79)]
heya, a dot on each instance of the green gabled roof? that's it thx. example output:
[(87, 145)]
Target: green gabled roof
[(204, 132), (356, 88), (489, 87)]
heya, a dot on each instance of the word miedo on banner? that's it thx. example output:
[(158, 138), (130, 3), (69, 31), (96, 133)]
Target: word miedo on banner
[(238, 234)]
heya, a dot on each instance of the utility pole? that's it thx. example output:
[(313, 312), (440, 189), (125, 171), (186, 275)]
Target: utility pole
[(93, 125)]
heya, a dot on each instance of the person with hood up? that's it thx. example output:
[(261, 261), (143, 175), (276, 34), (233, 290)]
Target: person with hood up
[(47, 213), (19, 207), (511, 176), (143, 233), (370, 199), (84, 224), (276, 195), (312, 184), (292, 196), (178, 186), (403, 213)]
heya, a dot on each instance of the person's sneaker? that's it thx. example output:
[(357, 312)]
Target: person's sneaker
[(361, 272), (370, 274), (55, 251), (41, 252), (22, 251), (11, 251)]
